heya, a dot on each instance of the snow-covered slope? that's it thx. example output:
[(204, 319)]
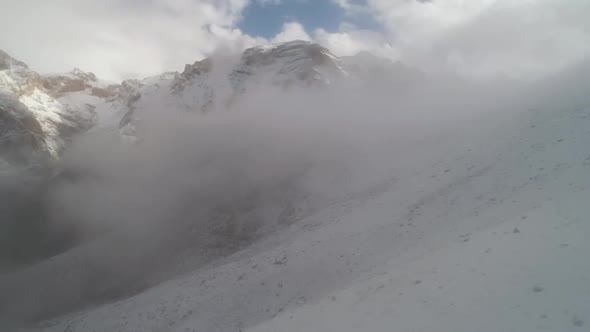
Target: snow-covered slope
[(481, 228), (508, 254), (475, 224)]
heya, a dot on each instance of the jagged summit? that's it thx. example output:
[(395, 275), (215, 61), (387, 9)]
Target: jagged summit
[(287, 64), (312, 53), (47, 110), (216, 82), (281, 64)]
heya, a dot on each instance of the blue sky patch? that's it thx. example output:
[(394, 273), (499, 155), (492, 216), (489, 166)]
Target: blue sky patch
[(266, 19)]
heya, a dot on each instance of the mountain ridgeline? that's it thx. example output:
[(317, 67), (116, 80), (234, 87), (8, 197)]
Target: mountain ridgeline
[(40, 115)]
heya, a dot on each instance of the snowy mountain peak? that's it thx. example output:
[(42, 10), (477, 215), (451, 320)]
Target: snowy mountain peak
[(217, 82), (67, 103), (54, 108), (297, 49), (287, 64)]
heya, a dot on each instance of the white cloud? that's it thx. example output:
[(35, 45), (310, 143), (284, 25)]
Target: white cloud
[(130, 38), (291, 31), (351, 41), (118, 38), (521, 38)]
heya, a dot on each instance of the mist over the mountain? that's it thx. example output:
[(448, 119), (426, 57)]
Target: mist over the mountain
[(184, 169)]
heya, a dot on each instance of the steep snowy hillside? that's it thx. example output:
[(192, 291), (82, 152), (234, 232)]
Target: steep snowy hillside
[(476, 225), (291, 190), (499, 249)]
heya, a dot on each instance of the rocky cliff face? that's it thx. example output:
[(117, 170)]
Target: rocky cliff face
[(21, 135), (49, 114)]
